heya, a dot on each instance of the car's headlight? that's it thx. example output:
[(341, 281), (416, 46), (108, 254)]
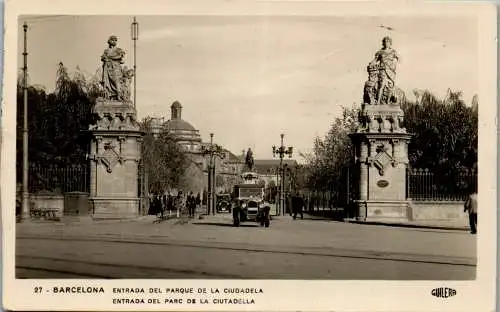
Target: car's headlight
[(243, 205)]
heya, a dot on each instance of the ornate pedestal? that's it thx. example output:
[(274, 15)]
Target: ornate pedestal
[(381, 149), (115, 155)]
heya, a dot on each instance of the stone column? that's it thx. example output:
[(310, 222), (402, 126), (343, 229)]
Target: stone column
[(94, 152), (396, 151), (363, 173), (373, 148), (363, 181), (114, 166)]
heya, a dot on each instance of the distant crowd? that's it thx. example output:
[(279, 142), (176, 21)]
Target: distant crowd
[(180, 204)]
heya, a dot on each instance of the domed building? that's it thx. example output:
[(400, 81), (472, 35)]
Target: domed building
[(189, 138), (182, 131)]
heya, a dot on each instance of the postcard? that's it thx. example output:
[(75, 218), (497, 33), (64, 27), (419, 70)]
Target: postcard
[(249, 155)]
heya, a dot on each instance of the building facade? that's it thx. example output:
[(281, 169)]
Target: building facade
[(188, 137), (268, 168)]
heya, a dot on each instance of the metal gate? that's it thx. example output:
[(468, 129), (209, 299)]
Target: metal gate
[(350, 190)]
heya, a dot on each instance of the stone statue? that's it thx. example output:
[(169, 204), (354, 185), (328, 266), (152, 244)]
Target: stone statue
[(115, 78), (371, 85), (379, 89), (249, 159)]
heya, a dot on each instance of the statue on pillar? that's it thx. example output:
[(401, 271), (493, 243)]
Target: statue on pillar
[(115, 77), (380, 88), (249, 159)]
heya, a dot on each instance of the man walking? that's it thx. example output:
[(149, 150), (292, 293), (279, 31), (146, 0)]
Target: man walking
[(471, 207), (179, 204), (191, 203), (297, 206)]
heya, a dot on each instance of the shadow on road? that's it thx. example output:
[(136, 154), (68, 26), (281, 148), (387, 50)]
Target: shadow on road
[(224, 224)]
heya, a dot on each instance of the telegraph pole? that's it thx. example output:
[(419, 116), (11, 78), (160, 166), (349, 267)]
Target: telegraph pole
[(135, 37), (25, 214)]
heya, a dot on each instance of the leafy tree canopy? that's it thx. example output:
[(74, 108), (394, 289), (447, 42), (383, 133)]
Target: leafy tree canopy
[(164, 160), (56, 119), (445, 138)]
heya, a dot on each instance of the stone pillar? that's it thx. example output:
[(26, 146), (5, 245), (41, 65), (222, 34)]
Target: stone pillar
[(114, 161), (382, 171), (363, 181)]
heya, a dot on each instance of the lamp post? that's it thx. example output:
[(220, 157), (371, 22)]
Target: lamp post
[(25, 213), (135, 37), (212, 151), (280, 152)]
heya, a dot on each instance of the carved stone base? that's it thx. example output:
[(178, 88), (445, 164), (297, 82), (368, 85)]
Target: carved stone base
[(383, 211), (381, 119), (115, 208)]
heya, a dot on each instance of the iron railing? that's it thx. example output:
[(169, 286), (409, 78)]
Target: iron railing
[(57, 178), (424, 184)]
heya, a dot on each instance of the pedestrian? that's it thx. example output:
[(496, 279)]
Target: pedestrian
[(157, 205), (191, 204), (164, 201), (179, 204), (170, 204), (198, 199), (151, 201), (297, 205), (470, 206)]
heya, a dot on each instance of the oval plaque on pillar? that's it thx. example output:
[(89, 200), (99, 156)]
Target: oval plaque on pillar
[(382, 183)]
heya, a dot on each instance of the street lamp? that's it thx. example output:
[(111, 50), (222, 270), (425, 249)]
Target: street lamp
[(135, 37), (25, 213), (280, 152), (212, 151)]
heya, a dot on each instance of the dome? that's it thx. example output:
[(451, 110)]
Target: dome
[(183, 131), (179, 124), (176, 104)]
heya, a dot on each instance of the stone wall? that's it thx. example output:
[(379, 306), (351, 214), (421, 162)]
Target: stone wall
[(452, 211)]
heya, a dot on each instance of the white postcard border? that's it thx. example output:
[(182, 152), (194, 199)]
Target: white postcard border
[(278, 295)]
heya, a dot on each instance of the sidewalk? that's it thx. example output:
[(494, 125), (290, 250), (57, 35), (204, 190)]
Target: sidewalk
[(429, 224), (224, 217), (333, 214)]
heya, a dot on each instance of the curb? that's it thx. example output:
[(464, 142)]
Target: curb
[(409, 225)]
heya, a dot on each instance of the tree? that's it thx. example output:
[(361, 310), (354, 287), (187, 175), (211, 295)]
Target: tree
[(445, 132), (332, 153), (56, 120), (445, 136), (164, 160)]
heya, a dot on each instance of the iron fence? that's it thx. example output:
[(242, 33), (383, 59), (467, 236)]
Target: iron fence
[(337, 196), (57, 178), (424, 184)]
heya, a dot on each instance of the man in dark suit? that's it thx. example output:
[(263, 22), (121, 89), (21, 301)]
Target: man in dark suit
[(191, 203), (297, 206), (470, 206)]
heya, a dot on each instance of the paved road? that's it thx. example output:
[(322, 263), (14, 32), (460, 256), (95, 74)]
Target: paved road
[(211, 248)]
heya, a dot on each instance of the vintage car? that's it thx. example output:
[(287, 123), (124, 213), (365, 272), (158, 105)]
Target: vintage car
[(223, 203), (248, 202)]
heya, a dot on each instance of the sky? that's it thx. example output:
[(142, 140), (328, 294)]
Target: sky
[(249, 78)]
